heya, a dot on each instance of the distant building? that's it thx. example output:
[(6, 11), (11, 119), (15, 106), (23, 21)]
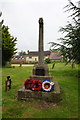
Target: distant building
[(55, 56), (32, 56), (18, 59)]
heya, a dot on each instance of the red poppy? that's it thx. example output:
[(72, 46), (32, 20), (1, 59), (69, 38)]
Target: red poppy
[(28, 83)]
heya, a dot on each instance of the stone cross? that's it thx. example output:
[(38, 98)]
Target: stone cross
[(40, 69), (41, 46)]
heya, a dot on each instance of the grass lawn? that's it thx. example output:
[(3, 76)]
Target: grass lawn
[(67, 108)]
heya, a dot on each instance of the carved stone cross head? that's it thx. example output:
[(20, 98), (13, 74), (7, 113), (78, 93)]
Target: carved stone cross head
[(40, 20)]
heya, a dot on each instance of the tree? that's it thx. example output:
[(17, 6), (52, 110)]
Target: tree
[(8, 45), (22, 53), (70, 43)]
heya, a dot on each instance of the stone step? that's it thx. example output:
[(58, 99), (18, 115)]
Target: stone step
[(53, 96)]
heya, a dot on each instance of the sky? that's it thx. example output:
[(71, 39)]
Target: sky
[(22, 16)]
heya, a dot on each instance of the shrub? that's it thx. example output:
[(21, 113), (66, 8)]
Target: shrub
[(47, 60)]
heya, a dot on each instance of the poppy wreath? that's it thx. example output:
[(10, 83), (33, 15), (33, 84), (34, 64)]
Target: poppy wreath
[(47, 85), (37, 85), (28, 83)]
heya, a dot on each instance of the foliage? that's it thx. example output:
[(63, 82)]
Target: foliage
[(67, 108), (8, 45), (70, 43), (47, 60), (22, 53)]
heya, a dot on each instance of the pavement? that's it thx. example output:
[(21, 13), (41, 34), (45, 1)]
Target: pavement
[(22, 64)]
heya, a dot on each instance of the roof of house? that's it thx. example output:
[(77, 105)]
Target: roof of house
[(35, 53), (18, 57), (55, 55)]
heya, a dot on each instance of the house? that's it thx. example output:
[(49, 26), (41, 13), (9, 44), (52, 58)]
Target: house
[(32, 56), (55, 56), (18, 59)]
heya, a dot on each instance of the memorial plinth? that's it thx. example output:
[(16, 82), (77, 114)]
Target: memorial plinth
[(41, 72), (54, 96)]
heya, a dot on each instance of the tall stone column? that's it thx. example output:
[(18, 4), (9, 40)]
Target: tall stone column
[(40, 69), (41, 44)]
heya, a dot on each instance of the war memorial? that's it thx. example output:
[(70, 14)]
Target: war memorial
[(46, 87)]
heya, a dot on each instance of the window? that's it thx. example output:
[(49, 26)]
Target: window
[(35, 59)]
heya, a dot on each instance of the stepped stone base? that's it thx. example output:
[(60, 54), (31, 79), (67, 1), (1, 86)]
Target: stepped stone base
[(53, 96), (36, 77)]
